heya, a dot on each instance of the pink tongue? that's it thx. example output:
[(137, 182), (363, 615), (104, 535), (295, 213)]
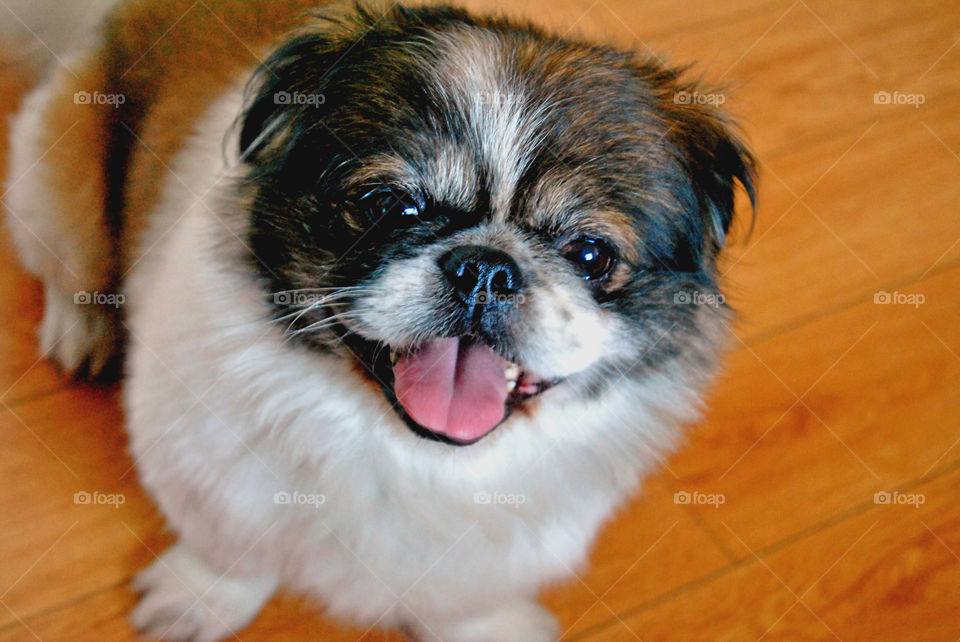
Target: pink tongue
[(455, 388)]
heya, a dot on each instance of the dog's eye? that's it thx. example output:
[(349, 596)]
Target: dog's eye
[(594, 257), (391, 207)]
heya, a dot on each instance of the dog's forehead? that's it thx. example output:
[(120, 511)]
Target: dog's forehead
[(493, 148), (488, 131), (473, 74)]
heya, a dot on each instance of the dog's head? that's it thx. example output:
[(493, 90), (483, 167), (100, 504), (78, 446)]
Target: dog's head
[(478, 212)]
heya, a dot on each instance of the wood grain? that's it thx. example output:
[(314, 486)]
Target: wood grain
[(856, 198), (873, 414), (886, 573), (652, 548)]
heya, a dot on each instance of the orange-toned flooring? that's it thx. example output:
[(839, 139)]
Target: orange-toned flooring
[(828, 398)]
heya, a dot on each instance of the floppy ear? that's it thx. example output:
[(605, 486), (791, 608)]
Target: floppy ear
[(295, 79), (294, 87), (301, 67), (713, 157)]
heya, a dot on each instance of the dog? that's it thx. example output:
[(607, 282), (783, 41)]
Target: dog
[(407, 300)]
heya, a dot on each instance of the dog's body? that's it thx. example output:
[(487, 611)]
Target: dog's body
[(287, 461)]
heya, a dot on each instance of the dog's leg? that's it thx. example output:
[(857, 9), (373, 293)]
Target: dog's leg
[(55, 202), (522, 621), (184, 599)]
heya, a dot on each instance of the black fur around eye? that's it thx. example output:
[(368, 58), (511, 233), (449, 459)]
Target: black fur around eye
[(391, 207), (595, 258)]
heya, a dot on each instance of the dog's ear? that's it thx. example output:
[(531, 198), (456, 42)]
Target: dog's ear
[(713, 158), (310, 75), (296, 73), (294, 80)]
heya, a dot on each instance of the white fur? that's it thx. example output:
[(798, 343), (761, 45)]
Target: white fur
[(223, 414), (473, 77), (469, 72), (69, 333), (36, 32), (185, 600), (565, 332)]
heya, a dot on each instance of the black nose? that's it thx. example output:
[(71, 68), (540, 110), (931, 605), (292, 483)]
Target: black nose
[(481, 274)]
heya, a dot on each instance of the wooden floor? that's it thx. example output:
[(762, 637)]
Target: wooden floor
[(831, 396)]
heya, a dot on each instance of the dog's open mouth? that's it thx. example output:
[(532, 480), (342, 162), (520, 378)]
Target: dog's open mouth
[(458, 389)]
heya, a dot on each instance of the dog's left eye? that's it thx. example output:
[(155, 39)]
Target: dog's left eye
[(594, 257), (391, 207)]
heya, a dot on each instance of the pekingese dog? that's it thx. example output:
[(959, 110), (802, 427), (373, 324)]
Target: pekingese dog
[(408, 300)]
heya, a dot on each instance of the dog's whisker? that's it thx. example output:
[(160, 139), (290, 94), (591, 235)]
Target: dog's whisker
[(476, 221), (313, 307), (324, 323), (320, 325)]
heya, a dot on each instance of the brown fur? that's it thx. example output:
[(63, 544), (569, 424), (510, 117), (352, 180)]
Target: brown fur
[(150, 54)]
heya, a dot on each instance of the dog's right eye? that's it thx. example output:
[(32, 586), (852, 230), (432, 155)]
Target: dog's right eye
[(391, 207)]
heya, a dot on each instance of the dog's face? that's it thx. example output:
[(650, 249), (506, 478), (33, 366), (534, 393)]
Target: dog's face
[(477, 212)]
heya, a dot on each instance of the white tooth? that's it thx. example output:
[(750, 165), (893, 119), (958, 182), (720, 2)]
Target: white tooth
[(512, 373), (511, 385), (394, 357)]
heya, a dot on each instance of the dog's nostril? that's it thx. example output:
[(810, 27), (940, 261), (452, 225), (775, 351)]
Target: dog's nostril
[(501, 281), (465, 276), (473, 269)]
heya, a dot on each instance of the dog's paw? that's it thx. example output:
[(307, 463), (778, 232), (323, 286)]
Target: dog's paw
[(520, 622), (183, 599), (77, 332)]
